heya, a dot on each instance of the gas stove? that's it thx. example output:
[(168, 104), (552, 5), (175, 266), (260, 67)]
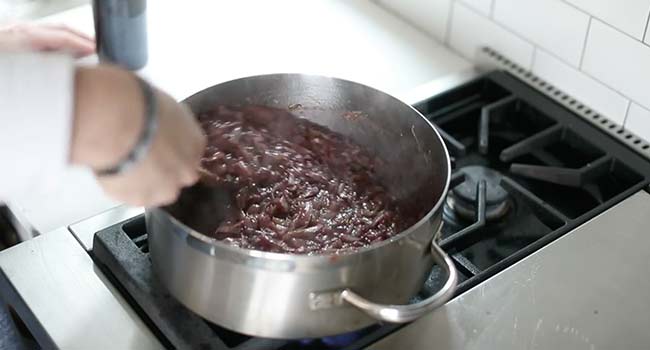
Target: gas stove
[(532, 167)]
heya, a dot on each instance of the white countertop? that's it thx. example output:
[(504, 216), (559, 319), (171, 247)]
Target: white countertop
[(201, 43)]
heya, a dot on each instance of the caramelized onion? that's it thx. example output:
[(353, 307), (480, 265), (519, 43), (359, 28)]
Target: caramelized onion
[(299, 187)]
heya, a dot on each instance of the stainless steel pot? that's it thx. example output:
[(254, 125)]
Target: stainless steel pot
[(292, 296)]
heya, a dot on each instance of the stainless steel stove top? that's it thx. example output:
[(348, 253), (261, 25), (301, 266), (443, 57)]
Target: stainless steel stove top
[(534, 274), (587, 290)]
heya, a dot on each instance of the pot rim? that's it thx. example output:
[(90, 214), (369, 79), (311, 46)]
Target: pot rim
[(210, 245)]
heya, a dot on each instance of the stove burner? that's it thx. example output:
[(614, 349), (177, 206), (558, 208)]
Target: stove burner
[(463, 198)]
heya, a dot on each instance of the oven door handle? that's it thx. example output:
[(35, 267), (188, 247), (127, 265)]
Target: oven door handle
[(410, 312)]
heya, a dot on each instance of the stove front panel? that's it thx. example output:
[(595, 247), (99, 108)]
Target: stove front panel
[(65, 300)]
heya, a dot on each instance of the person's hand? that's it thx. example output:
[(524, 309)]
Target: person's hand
[(109, 116), (46, 37)]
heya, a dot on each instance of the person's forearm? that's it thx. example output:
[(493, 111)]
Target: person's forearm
[(55, 114), (101, 94)]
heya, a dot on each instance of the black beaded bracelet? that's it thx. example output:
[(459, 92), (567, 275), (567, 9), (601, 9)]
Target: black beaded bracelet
[(139, 151)]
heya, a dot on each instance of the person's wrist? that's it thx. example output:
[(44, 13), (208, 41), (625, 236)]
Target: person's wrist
[(145, 137), (109, 114)]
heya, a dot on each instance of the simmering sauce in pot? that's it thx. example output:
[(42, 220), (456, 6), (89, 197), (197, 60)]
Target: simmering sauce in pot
[(298, 187)]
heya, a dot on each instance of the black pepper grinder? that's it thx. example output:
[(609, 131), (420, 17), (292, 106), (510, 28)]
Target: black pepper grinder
[(121, 32)]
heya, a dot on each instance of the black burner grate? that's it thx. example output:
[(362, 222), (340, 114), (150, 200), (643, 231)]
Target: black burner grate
[(554, 170), (122, 251)]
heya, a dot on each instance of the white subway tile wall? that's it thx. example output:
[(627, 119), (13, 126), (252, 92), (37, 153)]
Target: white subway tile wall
[(619, 61), (483, 6), (596, 50), (430, 16), (638, 121), (629, 16), (553, 25), (470, 31), (604, 100)]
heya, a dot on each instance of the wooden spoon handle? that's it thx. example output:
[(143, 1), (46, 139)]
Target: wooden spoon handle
[(204, 172)]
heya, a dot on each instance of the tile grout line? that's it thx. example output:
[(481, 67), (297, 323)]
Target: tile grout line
[(618, 30), (627, 112), (605, 22), (584, 44), (497, 24), (588, 104), (537, 47), (560, 58), (645, 31), (511, 31), (566, 2), (521, 37), (450, 16), (589, 76), (408, 22)]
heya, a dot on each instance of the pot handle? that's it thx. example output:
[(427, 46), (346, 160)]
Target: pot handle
[(409, 312)]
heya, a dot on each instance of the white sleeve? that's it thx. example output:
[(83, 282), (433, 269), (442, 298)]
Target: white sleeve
[(36, 110)]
